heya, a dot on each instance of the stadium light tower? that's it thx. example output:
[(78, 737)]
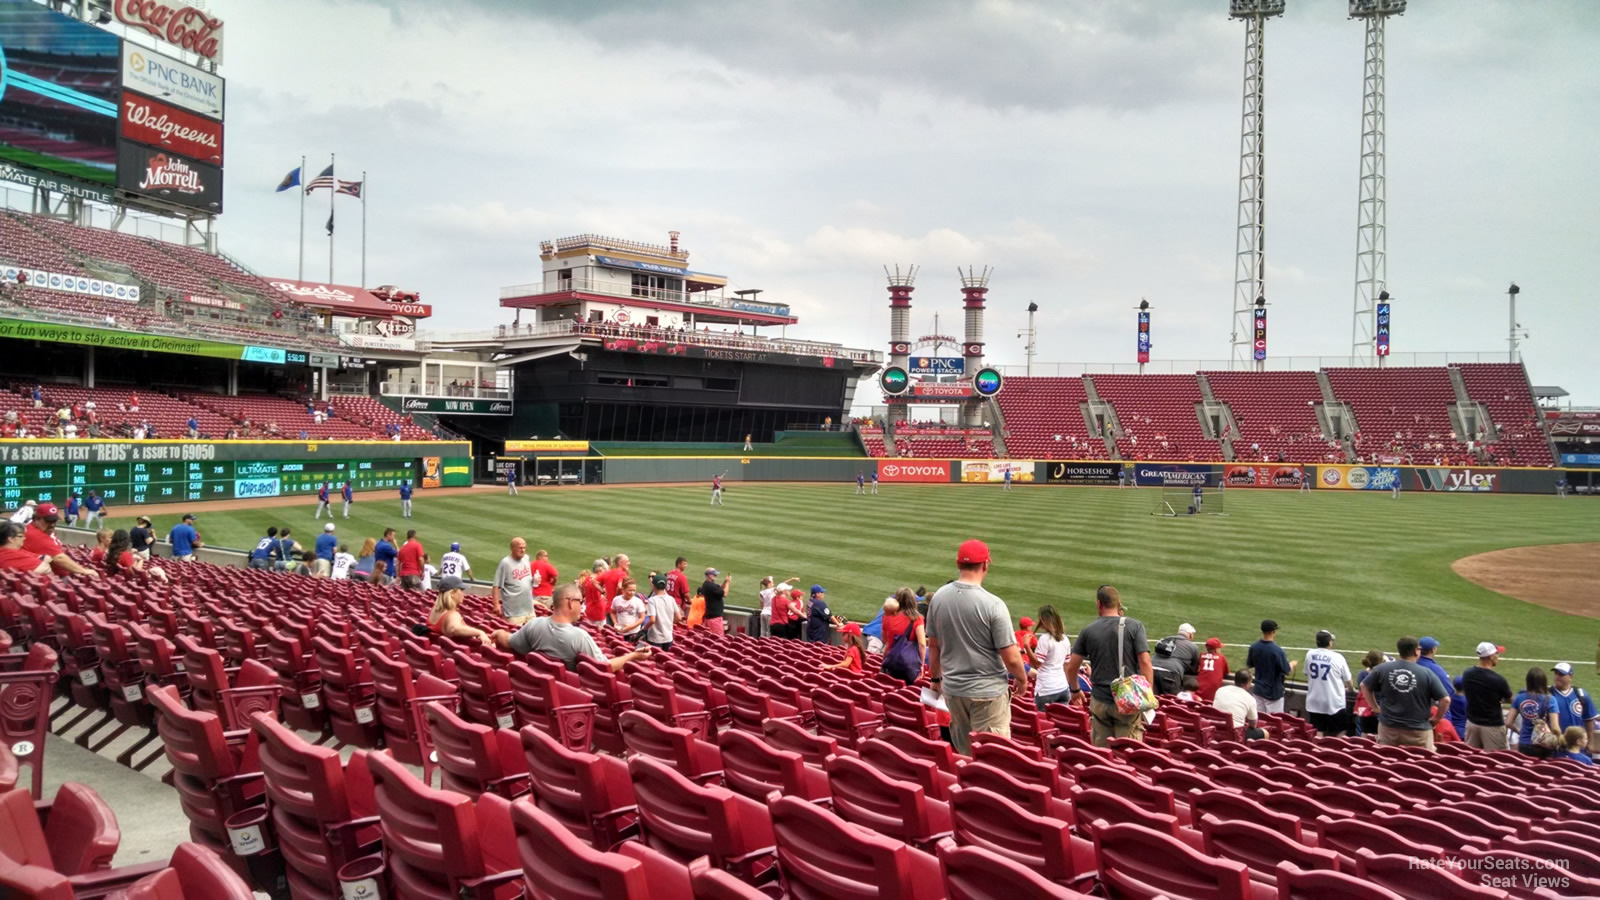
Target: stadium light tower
[(974, 288), (901, 284), (1250, 252), (1372, 268), (1032, 335)]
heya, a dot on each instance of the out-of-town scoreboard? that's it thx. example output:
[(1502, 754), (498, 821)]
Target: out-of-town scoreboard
[(175, 481)]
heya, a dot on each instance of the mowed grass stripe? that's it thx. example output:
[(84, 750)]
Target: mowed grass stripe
[(1368, 567)]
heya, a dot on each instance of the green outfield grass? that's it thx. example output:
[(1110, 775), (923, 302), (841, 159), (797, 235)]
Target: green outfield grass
[(1367, 567)]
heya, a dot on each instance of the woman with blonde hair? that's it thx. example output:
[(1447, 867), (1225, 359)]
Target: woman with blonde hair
[(1048, 657), (366, 560), (445, 617)]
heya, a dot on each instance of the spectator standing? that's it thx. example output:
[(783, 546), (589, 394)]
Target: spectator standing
[(545, 577), (818, 617), (384, 555), (971, 650), (1271, 667), (454, 564), (513, 585), (261, 556), (183, 537), (1174, 658), (405, 499), (678, 583), (1573, 705), (1534, 716), (1409, 699), (24, 513), (94, 510), (1048, 659), (327, 545), (716, 597), (1110, 660), (143, 536), (628, 612), (787, 613), (595, 601), (1213, 670), (1239, 701), (366, 560), (661, 613), (900, 617), (102, 544), (558, 636), (1458, 709), (1486, 690), (1327, 683), (285, 552), (410, 559), (343, 562), (1427, 646), (611, 579)]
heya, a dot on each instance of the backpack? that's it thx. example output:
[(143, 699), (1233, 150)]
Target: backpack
[(1166, 645), (904, 659)]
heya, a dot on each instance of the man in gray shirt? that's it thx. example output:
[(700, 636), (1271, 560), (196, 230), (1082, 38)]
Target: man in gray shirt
[(1409, 699), (513, 584), (1098, 644), (971, 649), (558, 636)]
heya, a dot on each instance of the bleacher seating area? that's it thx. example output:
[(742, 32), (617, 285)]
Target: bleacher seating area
[(1403, 416), (166, 273), (219, 416), (727, 767)]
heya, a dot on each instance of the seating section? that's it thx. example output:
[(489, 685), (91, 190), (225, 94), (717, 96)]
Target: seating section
[(1278, 412), (821, 794), (1044, 419), (1403, 413), (1157, 414), (378, 417), (290, 417), (1504, 391)]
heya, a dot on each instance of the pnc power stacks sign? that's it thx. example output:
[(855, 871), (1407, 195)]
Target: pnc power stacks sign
[(924, 471)]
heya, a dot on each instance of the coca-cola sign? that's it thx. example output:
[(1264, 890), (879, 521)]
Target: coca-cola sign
[(182, 26), (159, 175), (153, 122)]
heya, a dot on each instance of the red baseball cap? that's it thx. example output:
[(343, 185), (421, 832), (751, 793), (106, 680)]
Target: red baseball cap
[(1213, 643), (851, 628), (1025, 622), (47, 511), (972, 552)]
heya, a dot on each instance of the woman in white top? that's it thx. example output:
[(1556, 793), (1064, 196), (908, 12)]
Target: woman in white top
[(1047, 658), (627, 611)]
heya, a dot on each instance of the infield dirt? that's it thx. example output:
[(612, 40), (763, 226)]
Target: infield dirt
[(1564, 577)]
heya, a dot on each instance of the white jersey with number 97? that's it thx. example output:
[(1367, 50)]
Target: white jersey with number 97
[(1326, 676), (452, 564)]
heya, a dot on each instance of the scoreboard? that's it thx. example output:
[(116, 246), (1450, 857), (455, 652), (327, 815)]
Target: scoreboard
[(124, 483)]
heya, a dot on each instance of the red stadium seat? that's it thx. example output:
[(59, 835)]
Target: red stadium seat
[(822, 856), (485, 692), (1260, 848), (750, 708), (1044, 845), (1232, 806), (348, 693), (76, 841), (900, 809), (1346, 836), (546, 702), (299, 682), (1035, 798), (476, 759), (194, 873), (661, 701), (695, 759), (783, 734), (685, 821), (400, 701), (591, 795), (754, 768), (914, 745), (843, 720), (1295, 883), (1021, 767), (1402, 875), (897, 764), (216, 772), (903, 710), (971, 873), (1522, 875), (25, 711), (558, 866), (440, 843), (1138, 862)]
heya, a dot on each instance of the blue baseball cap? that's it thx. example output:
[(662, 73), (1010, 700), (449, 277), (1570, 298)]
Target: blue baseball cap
[(1428, 643), (455, 548), (818, 589)]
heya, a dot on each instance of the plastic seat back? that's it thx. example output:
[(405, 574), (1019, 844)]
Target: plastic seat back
[(901, 710), (313, 812), (591, 795), (485, 692), (783, 734), (754, 768), (546, 702), (1402, 875), (646, 736), (685, 820), (897, 764), (971, 873), (865, 796), (986, 819), (473, 758), (1295, 883), (556, 865), (25, 696), (195, 873), (430, 837), (1260, 848), (1139, 862), (1021, 767), (823, 857), (938, 752), (842, 718), (1231, 806), (1346, 836)]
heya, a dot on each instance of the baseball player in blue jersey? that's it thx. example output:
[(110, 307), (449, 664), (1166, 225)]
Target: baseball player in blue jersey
[(874, 481), (511, 480), (405, 499), (1199, 498), (1008, 481), (94, 510), (71, 512), (349, 494), (322, 502), (861, 484)]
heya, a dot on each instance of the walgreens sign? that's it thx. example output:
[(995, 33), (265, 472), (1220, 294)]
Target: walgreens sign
[(157, 124), (181, 26), (914, 470)]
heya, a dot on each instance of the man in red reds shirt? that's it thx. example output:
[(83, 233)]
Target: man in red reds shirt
[(41, 539), (596, 603), (409, 563), (544, 578), (611, 579), (1213, 670), (678, 584)]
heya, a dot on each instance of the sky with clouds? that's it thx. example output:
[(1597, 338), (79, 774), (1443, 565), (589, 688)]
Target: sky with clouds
[(1088, 151)]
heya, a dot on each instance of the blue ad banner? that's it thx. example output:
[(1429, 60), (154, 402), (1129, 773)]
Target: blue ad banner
[(937, 365), (1580, 459), (1171, 475)]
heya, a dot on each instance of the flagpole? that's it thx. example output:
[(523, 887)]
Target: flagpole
[(302, 192), (332, 192), (363, 228)]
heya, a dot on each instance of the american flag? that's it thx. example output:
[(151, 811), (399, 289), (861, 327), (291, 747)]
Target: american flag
[(325, 180), (350, 188)]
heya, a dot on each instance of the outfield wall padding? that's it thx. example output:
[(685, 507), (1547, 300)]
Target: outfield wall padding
[(646, 469)]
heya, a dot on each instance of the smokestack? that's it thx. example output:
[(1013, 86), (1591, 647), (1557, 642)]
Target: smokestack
[(901, 284), (974, 287)]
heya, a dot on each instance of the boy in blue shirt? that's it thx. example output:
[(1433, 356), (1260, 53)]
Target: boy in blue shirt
[(326, 546), (384, 556)]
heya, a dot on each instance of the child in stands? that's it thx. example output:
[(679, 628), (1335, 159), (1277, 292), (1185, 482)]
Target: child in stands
[(1574, 742), (855, 649)]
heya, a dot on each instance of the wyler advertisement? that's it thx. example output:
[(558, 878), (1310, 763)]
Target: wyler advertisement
[(915, 470), (1358, 478), (160, 175), (1281, 476), (1083, 473), (1470, 481), (1164, 475)]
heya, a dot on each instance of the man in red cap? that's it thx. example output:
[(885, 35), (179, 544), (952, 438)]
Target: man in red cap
[(41, 539), (971, 650)]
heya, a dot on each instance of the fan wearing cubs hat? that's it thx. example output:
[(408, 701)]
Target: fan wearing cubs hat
[(972, 650), (1573, 704)]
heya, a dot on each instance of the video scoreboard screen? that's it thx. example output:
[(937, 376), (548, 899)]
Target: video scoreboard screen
[(171, 482)]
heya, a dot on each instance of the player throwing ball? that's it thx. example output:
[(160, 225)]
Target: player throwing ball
[(716, 489)]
